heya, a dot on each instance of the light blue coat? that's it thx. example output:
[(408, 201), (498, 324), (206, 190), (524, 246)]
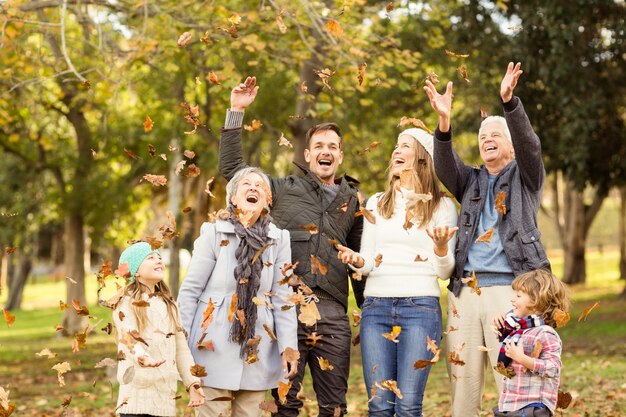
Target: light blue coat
[(210, 276)]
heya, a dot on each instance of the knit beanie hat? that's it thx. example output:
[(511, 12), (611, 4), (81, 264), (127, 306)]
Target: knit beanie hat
[(424, 138), (134, 256)]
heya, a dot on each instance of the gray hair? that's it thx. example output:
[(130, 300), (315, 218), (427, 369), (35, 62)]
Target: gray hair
[(495, 119), (233, 184)]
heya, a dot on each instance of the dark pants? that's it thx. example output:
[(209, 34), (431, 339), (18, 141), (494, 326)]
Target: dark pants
[(528, 411), (331, 385)]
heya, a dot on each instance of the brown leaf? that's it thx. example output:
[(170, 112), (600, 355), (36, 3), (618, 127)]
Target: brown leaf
[(422, 363), (311, 228), (454, 54), (356, 318), (189, 154), (537, 350), (371, 146), (454, 358), (155, 243), (483, 113), (106, 362), (108, 328), (455, 311), (147, 126), (507, 371), (198, 371), (585, 313), (325, 75), (130, 153), (9, 250), (201, 344), (486, 237), (224, 242), (361, 75), (472, 283), (393, 335), (389, 7), (269, 405), (270, 332), (281, 24), (283, 141), (207, 187), (258, 254), (499, 203), (560, 317), (432, 77), (369, 216), (213, 78), (46, 352), (318, 266), (312, 339), (309, 314), (141, 303), (378, 260), (419, 258), (8, 317), (563, 400), (207, 315), (392, 386), (283, 390), (192, 171), (256, 125), (303, 87), (415, 122), (80, 310), (463, 72), (334, 28), (186, 210), (325, 365), (233, 307), (184, 39), (156, 180), (61, 369)]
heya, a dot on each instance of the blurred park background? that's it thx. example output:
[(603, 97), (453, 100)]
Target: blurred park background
[(110, 119)]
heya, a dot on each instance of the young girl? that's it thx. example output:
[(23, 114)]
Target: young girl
[(530, 356), (153, 353)]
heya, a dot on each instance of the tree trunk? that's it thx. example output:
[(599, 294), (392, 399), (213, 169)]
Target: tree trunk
[(74, 250), (174, 200), (622, 233), (18, 281)]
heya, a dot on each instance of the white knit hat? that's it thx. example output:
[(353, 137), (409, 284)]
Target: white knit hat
[(424, 138)]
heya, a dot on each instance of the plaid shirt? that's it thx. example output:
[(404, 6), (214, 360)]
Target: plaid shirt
[(541, 384)]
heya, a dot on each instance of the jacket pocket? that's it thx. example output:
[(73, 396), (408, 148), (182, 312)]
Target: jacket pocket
[(534, 253)]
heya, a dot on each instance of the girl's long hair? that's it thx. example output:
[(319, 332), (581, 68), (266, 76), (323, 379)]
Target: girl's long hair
[(135, 291), (424, 181)]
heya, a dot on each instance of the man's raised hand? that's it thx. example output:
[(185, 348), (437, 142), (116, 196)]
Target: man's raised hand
[(441, 103), (509, 81), (244, 94)]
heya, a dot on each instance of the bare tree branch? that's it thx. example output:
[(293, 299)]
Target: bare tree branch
[(63, 45)]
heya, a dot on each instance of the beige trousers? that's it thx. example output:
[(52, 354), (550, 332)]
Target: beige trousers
[(476, 313), (243, 403)]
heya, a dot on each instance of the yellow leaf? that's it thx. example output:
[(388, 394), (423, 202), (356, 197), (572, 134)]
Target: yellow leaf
[(393, 336), (334, 28)]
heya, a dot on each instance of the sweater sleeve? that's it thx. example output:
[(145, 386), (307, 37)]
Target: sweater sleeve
[(368, 239), (450, 169), (184, 360), (446, 216)]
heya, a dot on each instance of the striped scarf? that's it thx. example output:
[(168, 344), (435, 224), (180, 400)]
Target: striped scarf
[(513, 329)]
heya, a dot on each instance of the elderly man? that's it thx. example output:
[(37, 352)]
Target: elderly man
[(498, 237), (329, 202)]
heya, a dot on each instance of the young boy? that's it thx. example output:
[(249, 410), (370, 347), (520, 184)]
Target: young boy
[(530, 355)]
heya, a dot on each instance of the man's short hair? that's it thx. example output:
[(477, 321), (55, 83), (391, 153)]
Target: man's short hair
[(321, 128)]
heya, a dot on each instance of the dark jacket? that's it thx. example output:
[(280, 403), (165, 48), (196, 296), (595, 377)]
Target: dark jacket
[(522, 181), (300, 201)]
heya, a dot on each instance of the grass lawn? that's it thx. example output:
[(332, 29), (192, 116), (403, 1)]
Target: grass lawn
[(594, 365)]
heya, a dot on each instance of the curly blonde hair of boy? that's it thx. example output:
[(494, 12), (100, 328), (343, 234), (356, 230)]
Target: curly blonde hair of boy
[(546, 292)]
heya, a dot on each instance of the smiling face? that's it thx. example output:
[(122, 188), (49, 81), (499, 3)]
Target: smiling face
[(250, 194), (496, 150), (151, 271), (403, 156), (324, 155), (521, 304)]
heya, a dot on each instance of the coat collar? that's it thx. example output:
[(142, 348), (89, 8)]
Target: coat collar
[(227, 227)]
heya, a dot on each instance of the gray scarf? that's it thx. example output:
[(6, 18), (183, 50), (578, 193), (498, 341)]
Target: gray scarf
[(248, 276)]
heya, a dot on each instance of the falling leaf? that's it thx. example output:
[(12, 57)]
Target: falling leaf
[(283, 390), (192, 171), (455, 311), (186, 209), (207, 315), (256, 124), (325, 364), (207, 187), (472, 282), (318, 266), (462, 70), (130, 153), (189, 154), (507, 371), (155, 243), (371, 146), (270, 332), (58, 327), (560, 317), (563, 400), (393, 336), (157, 180), (392, 386), (325, 75), (312, 339), (46, 352), (432, 77), (281, 24), (269, 405), (252, 348), (106, 362), (9, 250), (108, 328), (361, 75), (311, 228), (454, 358), (415, 122), (208, 345), (192, 116), (213, 78), (148, 125), (500, 206), (484, 349), (369, 216), (244, 217), (80, 310), (585, 313), (483, 113), (309, 314), (258, 254), (66, 402), (515, 28), (61, 369), (378, 260), (122, 404), (334, 28), (8, 317), (141, 303), (63, 306), (198, 371), (233, 307), (422, 363), (303, 87), (283, 141), (356, 318), (419, 258), (389, 7), (184, 39), (537, 350), (486, 236), (454, 54)]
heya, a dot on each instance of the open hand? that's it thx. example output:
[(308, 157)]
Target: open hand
[(348, 256), (509, 82), (196, 396), (244, 94), (441, 103), (441, 236)]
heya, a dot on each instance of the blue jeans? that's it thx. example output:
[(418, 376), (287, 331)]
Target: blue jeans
[(385, 360)]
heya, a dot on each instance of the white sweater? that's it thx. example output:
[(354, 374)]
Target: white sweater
[(399, 275), (151, 390)]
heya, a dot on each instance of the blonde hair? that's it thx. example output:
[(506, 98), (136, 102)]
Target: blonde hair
[(135, 291), (424, 181), (546, 292)]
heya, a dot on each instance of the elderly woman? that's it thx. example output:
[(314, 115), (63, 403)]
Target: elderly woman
[(231, 298)]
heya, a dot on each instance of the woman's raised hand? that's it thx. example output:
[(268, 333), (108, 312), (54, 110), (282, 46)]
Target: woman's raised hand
[(348, 256), (244, 94), (441, 235)]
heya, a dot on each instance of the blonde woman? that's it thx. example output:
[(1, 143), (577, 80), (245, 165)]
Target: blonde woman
[(403, 254)]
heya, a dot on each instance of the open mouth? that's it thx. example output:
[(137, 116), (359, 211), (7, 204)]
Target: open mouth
[(252, 198), (398, 161), (490, 148), (325, 162)]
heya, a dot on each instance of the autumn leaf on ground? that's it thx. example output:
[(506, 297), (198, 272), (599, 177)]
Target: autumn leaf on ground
[(283, 389), (232, 307), (46, 352), (454, 358), (507, 371), (462, 70), (486, 236), (130, 153), (325, 75), (61, 369), (148, 125), (393, 335), (560, 317), (356, 318), (378, 260), (309, 314), (361, 75), (563, 400), (371, 146), (156, 180), (269, 405), (392, 386), (318, 266), (207, 315), (324, 364), (312, 339), (258, 254), (184, 39), (8, 317), (415, 122), (500, 206), (213, 78), (334, 28), (256, 125), (432, 77), (454, 54), (585, 313), (198, 371)]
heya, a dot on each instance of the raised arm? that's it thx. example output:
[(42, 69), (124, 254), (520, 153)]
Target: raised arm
[(231, 151), (526, 143)]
